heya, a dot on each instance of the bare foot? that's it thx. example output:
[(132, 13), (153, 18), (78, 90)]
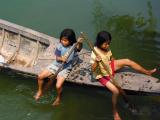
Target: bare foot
[(150, 72), (116, 116), (38, 95), (56, 102)]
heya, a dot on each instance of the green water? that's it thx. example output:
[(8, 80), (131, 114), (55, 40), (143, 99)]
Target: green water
[(135, 27)]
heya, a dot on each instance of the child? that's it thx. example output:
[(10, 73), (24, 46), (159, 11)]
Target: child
[(103, 41), (67, 39)]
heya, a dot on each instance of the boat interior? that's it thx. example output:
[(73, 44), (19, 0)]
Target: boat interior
[(20, 49)]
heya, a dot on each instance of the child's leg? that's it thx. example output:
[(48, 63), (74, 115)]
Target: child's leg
[(41, 77), (48, 84), (60, 81), (115, 93), (127, 62)]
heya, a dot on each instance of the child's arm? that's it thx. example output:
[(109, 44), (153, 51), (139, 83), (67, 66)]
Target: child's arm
[(61, 58), (95, 64), (65, 58), (112, 58), (80, 45)]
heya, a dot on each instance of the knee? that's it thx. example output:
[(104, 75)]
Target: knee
[(128, 61), (40, 77), (58, 86)]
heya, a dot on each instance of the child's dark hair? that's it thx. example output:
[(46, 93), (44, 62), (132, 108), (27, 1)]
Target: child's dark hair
[(68, 34), (102, 37)]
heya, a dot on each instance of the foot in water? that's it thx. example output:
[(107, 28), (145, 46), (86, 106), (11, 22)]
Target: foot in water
[(116, 116), (38, 95), (56, 102)]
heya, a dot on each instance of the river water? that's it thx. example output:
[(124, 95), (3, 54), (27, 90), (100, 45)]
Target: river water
[(135, 27)]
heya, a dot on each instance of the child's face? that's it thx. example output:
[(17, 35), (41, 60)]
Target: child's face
[(105, 46), (65, 41)]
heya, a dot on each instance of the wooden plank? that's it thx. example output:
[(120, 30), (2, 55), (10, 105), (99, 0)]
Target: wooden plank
[(3, 33), (15, 53), (34, 55)]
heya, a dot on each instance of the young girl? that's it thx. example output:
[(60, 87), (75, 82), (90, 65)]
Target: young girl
[(67, 39), (103, 41)]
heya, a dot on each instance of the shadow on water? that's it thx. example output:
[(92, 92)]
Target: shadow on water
[(135, 37)]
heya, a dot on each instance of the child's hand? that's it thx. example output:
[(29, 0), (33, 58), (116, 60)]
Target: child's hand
[(98, 58), (80, 39), (64, 58)]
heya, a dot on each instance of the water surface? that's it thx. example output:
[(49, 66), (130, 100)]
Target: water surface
[(135, 27)]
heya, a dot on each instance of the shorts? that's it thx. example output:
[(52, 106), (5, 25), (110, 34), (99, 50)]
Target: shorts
[(53, 68), (105, 79)]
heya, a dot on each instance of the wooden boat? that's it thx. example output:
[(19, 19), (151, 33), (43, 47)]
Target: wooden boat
[(27, 51)]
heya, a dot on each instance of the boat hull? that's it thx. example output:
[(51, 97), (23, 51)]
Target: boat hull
[(29, 52)]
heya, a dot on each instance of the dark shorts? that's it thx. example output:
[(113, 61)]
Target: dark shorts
[(105, 79)]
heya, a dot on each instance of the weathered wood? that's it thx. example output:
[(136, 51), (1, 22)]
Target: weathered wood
[(32, 62), (43, 38), (12, 58), (2, 38), (34, 56)]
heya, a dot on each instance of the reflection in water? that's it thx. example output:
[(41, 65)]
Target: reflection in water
[(134, 37)]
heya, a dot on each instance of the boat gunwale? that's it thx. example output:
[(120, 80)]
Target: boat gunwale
[(40, 37), (27, 32), (84, 85)]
